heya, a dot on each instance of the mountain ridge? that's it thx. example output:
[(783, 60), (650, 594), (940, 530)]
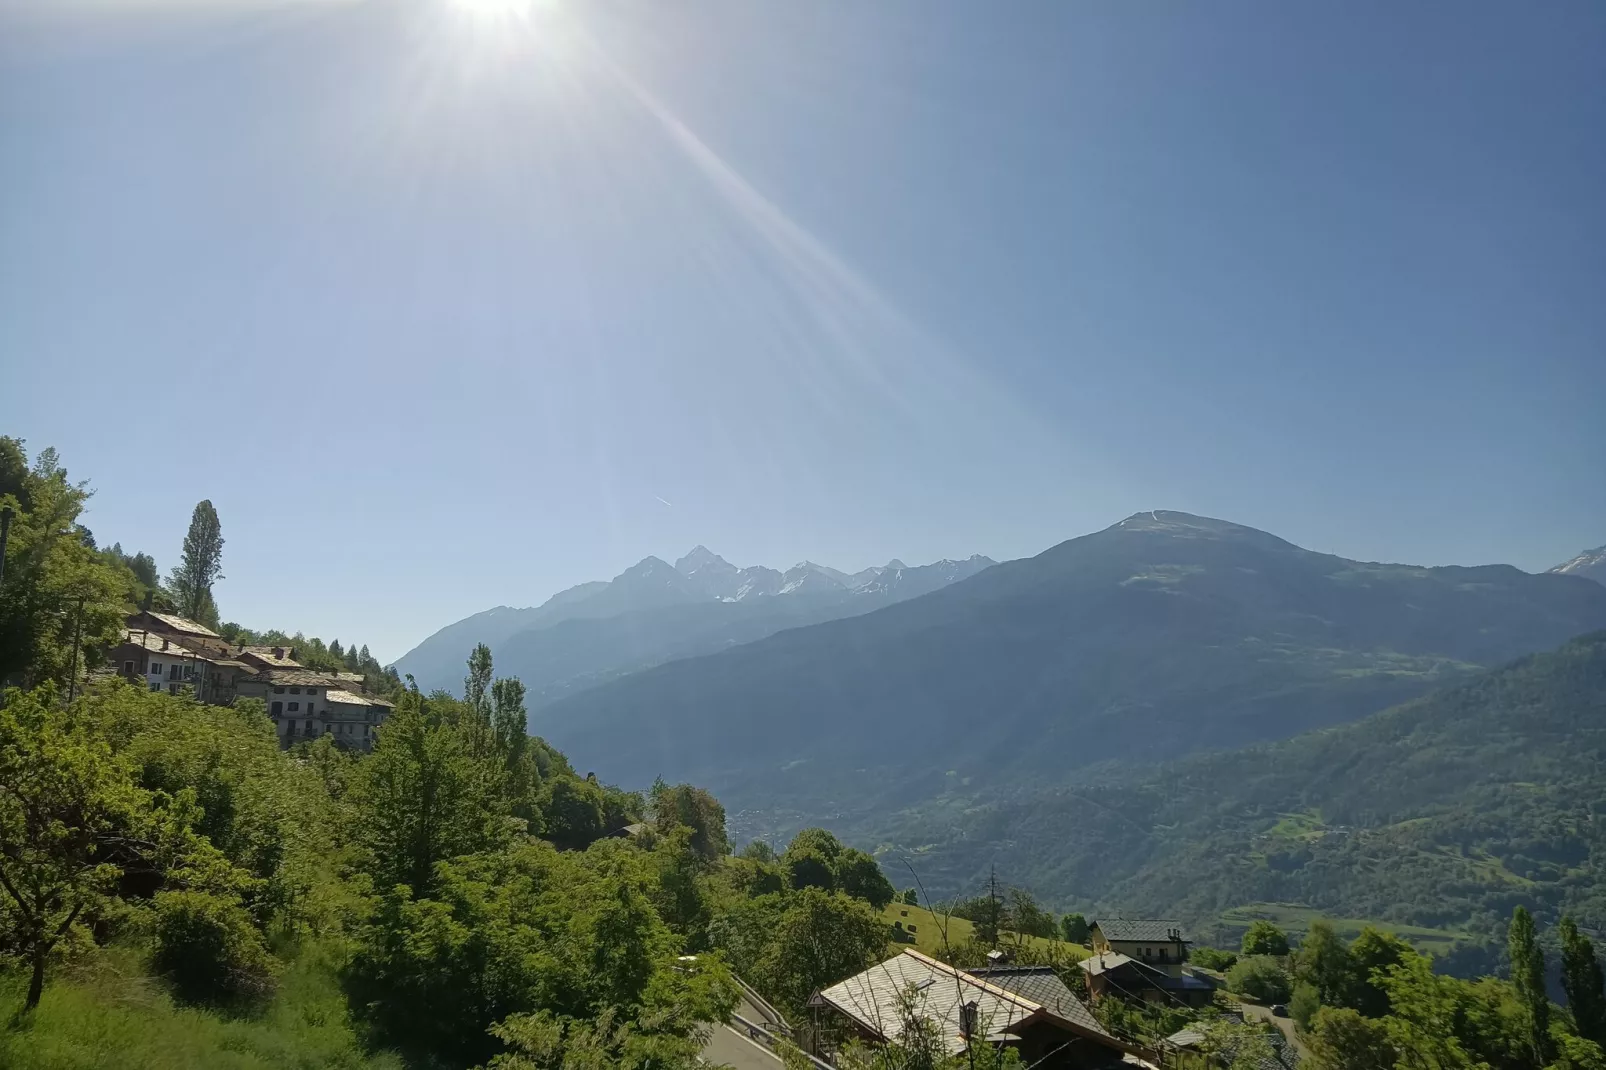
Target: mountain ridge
[(1159, 635), (1591, 564), (652, 586)]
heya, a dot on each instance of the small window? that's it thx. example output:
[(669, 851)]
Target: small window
[(911, 928), (156, 687), (277, 709), (294, 706), (172, 689), (128, 668), (156, 668), (313, 691), (278, 691), (295, 691)]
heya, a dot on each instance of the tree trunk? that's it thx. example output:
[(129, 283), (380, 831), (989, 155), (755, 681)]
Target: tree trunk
[(36, 984)]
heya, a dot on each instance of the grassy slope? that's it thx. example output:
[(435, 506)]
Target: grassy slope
[(107, 1014), (929, 937), (1296, 920)]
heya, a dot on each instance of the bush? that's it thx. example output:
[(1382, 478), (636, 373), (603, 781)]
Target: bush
[(207, 946), (1212, 958), (1260, 978), (1304, 1004), (1264, 938)]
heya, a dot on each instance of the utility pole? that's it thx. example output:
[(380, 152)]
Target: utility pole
[(992, 903), (6, 514), (77, 633)]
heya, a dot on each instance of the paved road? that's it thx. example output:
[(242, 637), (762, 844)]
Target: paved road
[(1255, 1010)]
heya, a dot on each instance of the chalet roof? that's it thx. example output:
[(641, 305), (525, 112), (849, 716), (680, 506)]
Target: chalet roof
[(1043, 986), (351, 698), (297, 678), (174, 648), (179, 624), (1158, 931), (872, 999), (1283, 1056), (1111, 962), (266, 653)]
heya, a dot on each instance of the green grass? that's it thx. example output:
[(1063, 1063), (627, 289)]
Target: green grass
[(107, 1014), (1297, 919), (928, 932)]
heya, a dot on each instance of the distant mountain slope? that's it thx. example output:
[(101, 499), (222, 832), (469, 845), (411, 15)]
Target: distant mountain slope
[(1446, 811), (1591, 564), (1164, 634), (653, 612)]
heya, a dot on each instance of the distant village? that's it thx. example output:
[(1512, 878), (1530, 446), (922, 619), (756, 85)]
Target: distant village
[(173, 654)]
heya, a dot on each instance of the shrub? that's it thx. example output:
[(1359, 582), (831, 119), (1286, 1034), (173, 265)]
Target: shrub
[(1212, 958), (1264, 938), (207, 946), (1304, 1004), (1260, 978)]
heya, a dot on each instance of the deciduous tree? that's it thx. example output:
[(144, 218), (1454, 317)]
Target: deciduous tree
[(200, 565), (1581, 979)]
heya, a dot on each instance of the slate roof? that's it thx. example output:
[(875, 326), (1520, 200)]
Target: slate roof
[(182, 624), (265, 653), (351, 698), (1111, 961), (1157, 931), (1284, 1057), (297, 678), (1043, 986), (872, 999)]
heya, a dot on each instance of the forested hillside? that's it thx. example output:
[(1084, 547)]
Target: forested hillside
[(1445, 812), (1164, 634)]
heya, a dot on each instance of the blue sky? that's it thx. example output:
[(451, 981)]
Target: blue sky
[(453, 303)]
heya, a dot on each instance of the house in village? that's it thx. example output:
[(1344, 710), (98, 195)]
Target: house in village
[(1025, 1008), (304, 704), (1143, 959), (171, 653)]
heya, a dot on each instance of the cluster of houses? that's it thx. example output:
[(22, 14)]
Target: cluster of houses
[(1027, 1008), (174, 654)]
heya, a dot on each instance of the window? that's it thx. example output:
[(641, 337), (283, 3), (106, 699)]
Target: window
[(294, 706), (156, 668), (313, 691), (278, 691), (156, 687), (276, 709), (172, 689), (128, 668), (295, 691)]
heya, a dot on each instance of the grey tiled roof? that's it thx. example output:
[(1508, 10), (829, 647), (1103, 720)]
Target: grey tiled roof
[(1042, 985), (1139, 929)]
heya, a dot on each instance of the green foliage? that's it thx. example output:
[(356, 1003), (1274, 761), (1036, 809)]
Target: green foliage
[(1324, 963), (71, 819), (1261, 978), (108, 1015), (200, 563), (1212, 958), (422, 799), (1304, 1003), (1075, 930), (1370, 955), (1342, 1039), (210, 949), (1581, 980), (859, 875), (685, 806), (1528, 978), (55, 582), (796, 944), (1264, 938)]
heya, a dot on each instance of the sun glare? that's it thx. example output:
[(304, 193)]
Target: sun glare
[(495, 9)]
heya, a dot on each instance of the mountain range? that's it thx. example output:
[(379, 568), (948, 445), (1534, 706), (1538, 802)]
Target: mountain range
[(654, 612), (1590, 564), (1162, 635)]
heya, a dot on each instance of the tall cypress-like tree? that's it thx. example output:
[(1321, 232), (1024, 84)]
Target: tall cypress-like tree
[(1528, 976), (199, 566), (1581, 978)]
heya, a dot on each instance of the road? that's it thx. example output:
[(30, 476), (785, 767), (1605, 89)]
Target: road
[(1255, 1010)]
